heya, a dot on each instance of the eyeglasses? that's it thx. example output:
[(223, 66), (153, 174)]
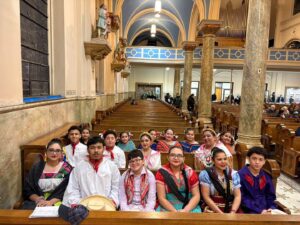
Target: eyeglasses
[(52, 151), (179, 156), (135, 160)]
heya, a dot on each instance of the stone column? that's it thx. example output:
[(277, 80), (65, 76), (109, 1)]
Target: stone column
[(189, 47), (208, 28), (254, 73), (176, 89)]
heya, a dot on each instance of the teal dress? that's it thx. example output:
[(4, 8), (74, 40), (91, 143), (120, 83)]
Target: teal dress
[(127, 147), (192, 181)]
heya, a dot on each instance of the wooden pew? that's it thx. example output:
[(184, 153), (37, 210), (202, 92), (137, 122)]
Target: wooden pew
[(19, 217), (290, 145)]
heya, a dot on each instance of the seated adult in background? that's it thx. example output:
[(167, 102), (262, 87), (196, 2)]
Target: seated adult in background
[(96, 175), (189, 144), (177, 185), (164, 145), (137, 190), (284, 112), (271, 111), (151, 158), (227, 139), (125, 143), (47, 180), (75, 151), (258, 194), (85, 135), (203, 154), (111, 151), (220, 185)]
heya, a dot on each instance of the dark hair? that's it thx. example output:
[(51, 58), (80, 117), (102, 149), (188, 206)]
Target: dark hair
[(188, 129), (74, 128), (85, 128), (215, 151), (232, 139), (149, 131), (124, 132), (165, 131), (134, 154), (95, 140), (109, 132), (258, 151), (173, 147), (55, 141)]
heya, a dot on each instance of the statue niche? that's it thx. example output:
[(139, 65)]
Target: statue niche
[(120, 59)]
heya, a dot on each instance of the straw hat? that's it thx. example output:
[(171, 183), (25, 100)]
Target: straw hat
[(98, 202)]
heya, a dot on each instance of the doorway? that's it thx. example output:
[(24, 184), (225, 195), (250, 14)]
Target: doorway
[(145, 89)]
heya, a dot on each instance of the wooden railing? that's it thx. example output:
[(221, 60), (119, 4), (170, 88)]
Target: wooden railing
[(146, 218)]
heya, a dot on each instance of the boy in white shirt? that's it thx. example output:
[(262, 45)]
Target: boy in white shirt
[(75, 151), (113, 152), (95, 175)]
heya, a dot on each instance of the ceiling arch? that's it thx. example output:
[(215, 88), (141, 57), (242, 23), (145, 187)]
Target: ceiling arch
[(186, 14), (148, 30), (150, 10), (193, 23), (160, 38)]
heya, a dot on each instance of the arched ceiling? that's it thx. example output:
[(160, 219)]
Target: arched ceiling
[(175, 17)]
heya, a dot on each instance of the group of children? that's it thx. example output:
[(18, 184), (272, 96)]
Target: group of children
[(93, 168)]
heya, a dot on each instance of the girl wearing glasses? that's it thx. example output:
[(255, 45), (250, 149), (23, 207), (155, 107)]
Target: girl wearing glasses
[(48, 179), (177, 185), (137, 185)]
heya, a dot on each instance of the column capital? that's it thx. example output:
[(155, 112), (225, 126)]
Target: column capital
[(209, 26), (189, 45)]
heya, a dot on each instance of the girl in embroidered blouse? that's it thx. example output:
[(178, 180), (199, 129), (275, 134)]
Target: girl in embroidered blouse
[(125, 143), (203, 154), (189, 144), (164, 145), (177, 185), (47, 180), (137, 185), (151, 157), (220, 185)]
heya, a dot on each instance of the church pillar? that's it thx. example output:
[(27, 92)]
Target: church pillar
[(254, 73), (208, 29), (176, 89), (189, 47)]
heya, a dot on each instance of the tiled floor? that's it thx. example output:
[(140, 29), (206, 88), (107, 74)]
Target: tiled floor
[(288, 193)]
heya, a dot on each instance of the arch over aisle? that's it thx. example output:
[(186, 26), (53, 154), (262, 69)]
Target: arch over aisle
[(150, 10), (159, 30)]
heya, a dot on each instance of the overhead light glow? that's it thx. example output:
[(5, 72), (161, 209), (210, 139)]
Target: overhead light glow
[(153, 29), (167, 68), (152, 35), (157, 7), (157, 15)]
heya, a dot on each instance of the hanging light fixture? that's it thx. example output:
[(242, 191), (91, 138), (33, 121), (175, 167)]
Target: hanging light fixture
[(157, 7), (152, 35), (157, 15), (153, 29)]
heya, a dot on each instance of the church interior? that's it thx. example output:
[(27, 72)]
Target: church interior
[(60, 67)]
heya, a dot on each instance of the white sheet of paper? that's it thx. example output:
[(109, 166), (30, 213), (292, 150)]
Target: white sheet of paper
[(47, 211), (278, 212)]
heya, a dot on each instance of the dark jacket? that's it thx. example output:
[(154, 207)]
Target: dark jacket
[(31, 185), (190, 103)]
